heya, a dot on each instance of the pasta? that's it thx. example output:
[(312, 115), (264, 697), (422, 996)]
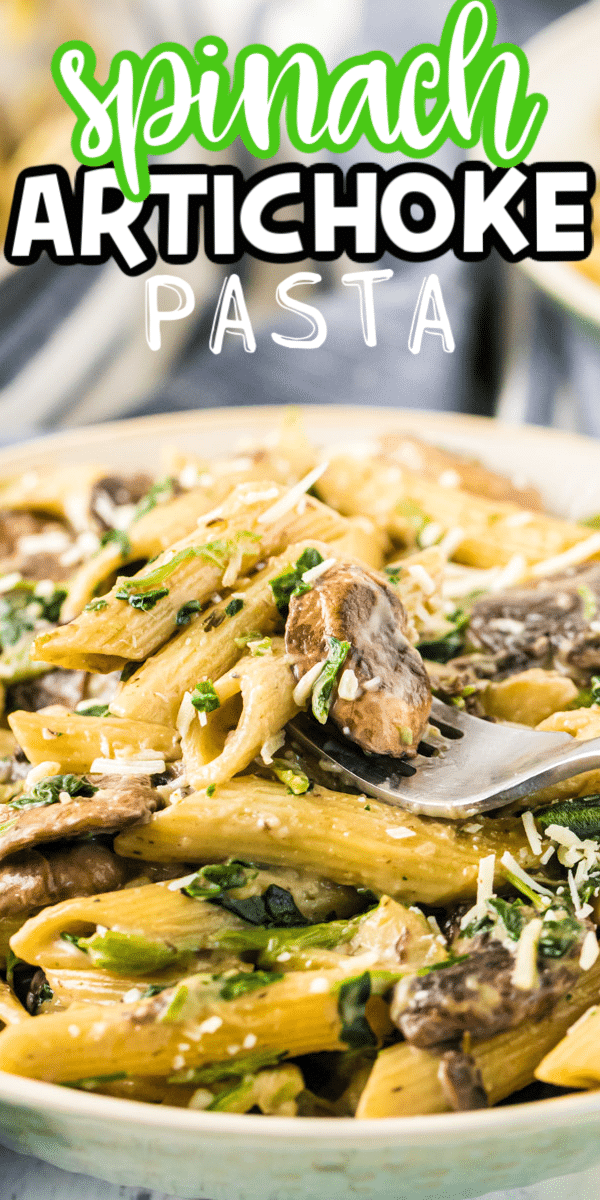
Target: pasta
[(196, 912)]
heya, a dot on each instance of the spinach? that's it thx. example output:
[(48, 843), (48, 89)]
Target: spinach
[(393, 574), (47, 791), (120, 538), (272, 941), (22, 608), (444, 648), (96, 605), (558, 937), (12, 961), (215, 878), (322, 692), (275, 909), (248, 1064), (94, 710), (581, 816), (451, 961), (145, 600), (187, 611), (352, 1000), (511, 915), (218, 553), (414, 514), (154, 989), (125, 952), (160, 491), (590, 602), (235, 606), (96, 1081), (290, 582), (294, 777), (129, 669), (247, 981), (204, 697)]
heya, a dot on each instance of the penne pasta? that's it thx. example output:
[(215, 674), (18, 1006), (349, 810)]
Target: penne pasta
[(347, 838), (74, 741)]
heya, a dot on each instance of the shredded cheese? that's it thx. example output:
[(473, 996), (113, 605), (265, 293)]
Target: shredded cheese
[(127, 766), (589, 951), (524, 975), (320, 569), (531, 833), (291, 497), (305, 686), (578, 553), (348, 688)]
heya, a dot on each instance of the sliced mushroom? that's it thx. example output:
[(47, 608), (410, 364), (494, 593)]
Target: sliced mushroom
[(33, 879), (119, 803), (454, 470), (478, 996), (57, 687), (461, 1081), (32, 545), (392, 696), (543, 623), (114, 492)]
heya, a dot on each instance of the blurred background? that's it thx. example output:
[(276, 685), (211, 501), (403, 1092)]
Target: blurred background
[(72, 339)]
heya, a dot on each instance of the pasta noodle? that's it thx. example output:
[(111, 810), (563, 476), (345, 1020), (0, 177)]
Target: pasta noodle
[(196, 911)]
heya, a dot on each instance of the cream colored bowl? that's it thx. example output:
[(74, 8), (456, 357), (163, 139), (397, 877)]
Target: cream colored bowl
[(227, 1157)]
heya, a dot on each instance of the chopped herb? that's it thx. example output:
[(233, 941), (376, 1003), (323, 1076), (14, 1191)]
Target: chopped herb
[(247, 981), (581, 816), (452, 643), (393, 574), (540, 903), (211, 789), (160, 491), (590, 602), (367, 807), (218, 553), (96, 605), (259, 649), (511, 915), (592, 522), (294, 777), (215, 878), (8, 825), (47, 791), (406, 736), (204, 697), (94, 710), (352, 1000), (154, 989), (323, 689), (254, 635), (450, 961), (129, 669), (144, 600), (187, 611), (120, 537), (72, 938), (290, 582), (235, 606), (414, 514)]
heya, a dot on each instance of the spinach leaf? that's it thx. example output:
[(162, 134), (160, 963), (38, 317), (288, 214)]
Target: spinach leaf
[(47, 791), (218, 553), (204, 697), (187, 611), (290, 582), (125, 952), (581, 816), (451, 644), (94, 710), (248, 1064), (160, 491), (96, 605), (145, 600), (322, 692), (558, 937), (215, 878), (120, 538), (294, 777), (23, 607), (247, 981), (275, 909), (352, 1000)]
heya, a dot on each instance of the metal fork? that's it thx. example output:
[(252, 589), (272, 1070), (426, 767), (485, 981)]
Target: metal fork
[(468, 767)]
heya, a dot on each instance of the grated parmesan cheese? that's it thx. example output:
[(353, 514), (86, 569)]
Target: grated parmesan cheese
[(371, 685), (589, 951), (292, 496), (422, 577), (449, 479), (400, 831), (524, 975), (578, 553), (271, 746), (210, 1025), (531, 833), (320, 569), (305, 686), (127, 766), (348, 688)]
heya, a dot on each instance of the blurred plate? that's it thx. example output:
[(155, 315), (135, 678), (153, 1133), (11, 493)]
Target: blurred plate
[(564, 60)]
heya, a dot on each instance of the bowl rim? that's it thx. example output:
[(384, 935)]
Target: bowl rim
[(21, 1091)]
